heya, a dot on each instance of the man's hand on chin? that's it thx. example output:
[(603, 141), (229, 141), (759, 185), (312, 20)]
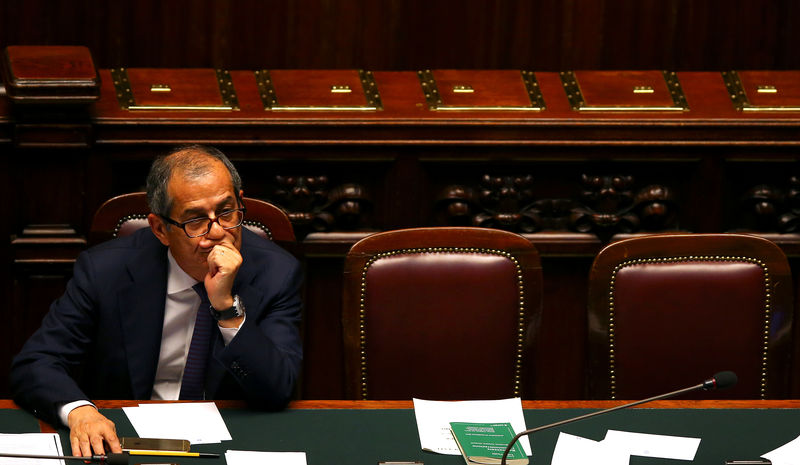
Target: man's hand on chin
[(88, 430), (224, 261)]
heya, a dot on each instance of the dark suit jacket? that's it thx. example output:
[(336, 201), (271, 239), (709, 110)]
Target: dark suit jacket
[(101, 339)]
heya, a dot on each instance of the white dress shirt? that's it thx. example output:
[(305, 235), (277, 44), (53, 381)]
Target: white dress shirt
[(180, 312)]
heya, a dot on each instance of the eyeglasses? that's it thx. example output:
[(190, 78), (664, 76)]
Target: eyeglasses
[(229, 219)]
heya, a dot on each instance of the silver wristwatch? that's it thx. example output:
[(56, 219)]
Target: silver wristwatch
[(236, 310)]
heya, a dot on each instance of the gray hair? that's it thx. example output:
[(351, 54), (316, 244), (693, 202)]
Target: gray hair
[(192, 161)]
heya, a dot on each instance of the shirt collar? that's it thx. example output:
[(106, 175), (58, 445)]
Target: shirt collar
[(177, 279)]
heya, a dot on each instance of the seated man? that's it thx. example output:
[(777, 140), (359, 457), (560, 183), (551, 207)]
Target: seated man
[(195, 307)]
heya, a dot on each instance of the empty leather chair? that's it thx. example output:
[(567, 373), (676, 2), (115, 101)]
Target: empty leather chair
[(439, 313), (668, 311)]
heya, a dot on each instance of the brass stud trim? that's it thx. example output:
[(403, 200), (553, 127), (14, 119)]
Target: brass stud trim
[(265, 89), (226, 89), (516, 382), (370, 89), (122, 87), (124, 220), (689, 258), (259, 225)]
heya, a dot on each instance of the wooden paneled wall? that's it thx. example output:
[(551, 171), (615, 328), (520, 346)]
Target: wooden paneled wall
[(545, 35)]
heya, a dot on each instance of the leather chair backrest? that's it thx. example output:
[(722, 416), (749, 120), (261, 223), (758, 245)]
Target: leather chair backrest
[(439, 313), (126, 213), (669, 311)]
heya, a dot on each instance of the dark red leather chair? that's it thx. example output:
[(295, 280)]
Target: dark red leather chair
[(439, 313), (668, 311), (124, 214)]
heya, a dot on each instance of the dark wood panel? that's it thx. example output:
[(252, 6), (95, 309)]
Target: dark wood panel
[(416, 34), (323, 360)]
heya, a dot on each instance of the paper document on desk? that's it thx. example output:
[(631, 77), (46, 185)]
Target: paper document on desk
[(31, 443), (199, 423), (787, 454), (434, 417), (653, 445), (571, 449), (248, 457), (618, 446)]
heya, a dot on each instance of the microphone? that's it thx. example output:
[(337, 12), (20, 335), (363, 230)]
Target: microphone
[(721, 380)]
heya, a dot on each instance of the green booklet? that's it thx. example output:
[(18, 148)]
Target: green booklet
[(484, 443)]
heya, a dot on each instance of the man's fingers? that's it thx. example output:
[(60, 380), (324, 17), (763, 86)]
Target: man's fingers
[(226, 255), (88, 430), (97, 444), (81, 445), (86, 444), (76, 446), (113, 442)]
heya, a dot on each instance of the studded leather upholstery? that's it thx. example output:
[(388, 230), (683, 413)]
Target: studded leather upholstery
[(668, 311), (439, 313)]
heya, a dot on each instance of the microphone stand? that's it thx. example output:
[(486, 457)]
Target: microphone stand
[(704, 385)]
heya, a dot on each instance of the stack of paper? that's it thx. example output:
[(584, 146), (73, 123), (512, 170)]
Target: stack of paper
[(199, 423), (787, 454), (434, 417), (246, 457), (31, 443), (619, 446)]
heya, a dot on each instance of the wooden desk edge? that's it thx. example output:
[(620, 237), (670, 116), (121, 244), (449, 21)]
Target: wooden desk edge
[(558, 404), (526, 404)]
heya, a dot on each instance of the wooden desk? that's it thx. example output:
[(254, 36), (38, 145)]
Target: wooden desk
[(339, 432)]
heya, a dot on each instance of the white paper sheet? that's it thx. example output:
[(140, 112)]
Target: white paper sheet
[(653, 445), (434, 417), (787, 454), (31, 443), (571, 449), (247, 457), (199, 423)]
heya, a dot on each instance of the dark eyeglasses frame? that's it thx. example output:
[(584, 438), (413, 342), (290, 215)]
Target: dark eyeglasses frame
[(211, 222)]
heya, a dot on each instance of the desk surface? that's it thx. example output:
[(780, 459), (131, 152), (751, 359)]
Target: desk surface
[(368, 432)]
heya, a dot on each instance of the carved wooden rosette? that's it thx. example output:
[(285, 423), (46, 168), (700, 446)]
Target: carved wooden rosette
[(768, 208), (606, 205), (313, 206), (609, 206)]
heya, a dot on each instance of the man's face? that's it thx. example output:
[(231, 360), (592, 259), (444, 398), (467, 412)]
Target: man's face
[(204, 197)]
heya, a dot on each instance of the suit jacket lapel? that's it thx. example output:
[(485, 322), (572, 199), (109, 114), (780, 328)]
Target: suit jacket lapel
[(142, 316)]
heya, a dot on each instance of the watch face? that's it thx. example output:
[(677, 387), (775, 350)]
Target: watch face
[(236, 310)]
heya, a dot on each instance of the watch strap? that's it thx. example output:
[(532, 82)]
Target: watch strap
[(237, 309)]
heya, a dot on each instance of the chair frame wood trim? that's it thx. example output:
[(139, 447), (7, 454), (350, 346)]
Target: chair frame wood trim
[(521, 320), (134, 205), (250, 223), (689, 258)]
